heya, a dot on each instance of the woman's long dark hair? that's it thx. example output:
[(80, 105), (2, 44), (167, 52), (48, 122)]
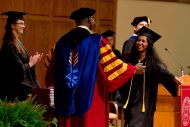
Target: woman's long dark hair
[(152, 59), (10, 38)]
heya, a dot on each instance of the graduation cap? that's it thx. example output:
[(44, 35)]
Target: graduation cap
[(137, 20), (13, 16), (82, 13), (144, 31), (108, 33)]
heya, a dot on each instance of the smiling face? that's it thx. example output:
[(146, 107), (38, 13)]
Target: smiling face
[(142, 44), (18, 26)]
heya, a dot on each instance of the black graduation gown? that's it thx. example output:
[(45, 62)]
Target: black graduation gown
[(134, 116), (75, 36), (128, 45), (16, 77), (117, 53)]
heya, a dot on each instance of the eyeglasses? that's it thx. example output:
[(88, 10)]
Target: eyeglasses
[(21, 23)]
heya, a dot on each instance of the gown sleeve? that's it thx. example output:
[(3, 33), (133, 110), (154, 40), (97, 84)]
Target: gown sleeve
[(115, 72), (166, 78)]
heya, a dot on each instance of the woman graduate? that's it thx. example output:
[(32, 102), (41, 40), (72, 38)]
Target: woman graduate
[(139, 95), (17, 70)]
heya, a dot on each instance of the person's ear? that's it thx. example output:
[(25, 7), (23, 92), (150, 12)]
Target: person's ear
[(135, 28), (91, 20), (13, 26)]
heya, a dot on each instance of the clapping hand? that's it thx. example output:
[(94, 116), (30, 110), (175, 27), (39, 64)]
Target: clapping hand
[(35, 59)]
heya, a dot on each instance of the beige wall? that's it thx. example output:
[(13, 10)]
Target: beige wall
[(170, 19)]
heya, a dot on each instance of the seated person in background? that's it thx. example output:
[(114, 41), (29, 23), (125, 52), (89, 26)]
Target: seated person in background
[(109, 36)]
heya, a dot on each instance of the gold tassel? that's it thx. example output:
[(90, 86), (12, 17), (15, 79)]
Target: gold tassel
[(126, 103), (143, 106), (149, 21)]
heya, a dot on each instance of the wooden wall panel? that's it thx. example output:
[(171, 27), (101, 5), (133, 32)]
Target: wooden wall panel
[(106, 7), (38, 40), (63, 8), (18, 5), (107, 15), (105, 25), (39, 7), (59, 28), (89, 3)]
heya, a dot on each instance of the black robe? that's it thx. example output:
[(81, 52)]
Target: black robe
[(16, 77), (127, 46), (134, 116), (117, 53), (75, 36)]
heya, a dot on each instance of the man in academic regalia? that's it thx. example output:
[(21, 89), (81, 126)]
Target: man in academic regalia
[(85, 69), (137, 23)]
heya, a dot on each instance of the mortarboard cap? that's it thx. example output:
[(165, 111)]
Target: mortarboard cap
[(108, 33), (13, 16), (137, 20), (82, 13), (148, 33)]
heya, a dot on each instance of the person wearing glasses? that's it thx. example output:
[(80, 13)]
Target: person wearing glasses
[(17, 68)]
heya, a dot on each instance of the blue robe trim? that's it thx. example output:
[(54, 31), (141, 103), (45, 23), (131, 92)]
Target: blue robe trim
[(132, 38), (76, 98)]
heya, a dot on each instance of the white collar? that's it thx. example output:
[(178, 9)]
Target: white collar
[(85, 27), (82, 26), (134, 34)]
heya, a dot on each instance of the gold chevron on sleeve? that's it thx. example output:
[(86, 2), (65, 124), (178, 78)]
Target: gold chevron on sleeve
[(112, 65), (107, 58), (105, 49), (118, 72)]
